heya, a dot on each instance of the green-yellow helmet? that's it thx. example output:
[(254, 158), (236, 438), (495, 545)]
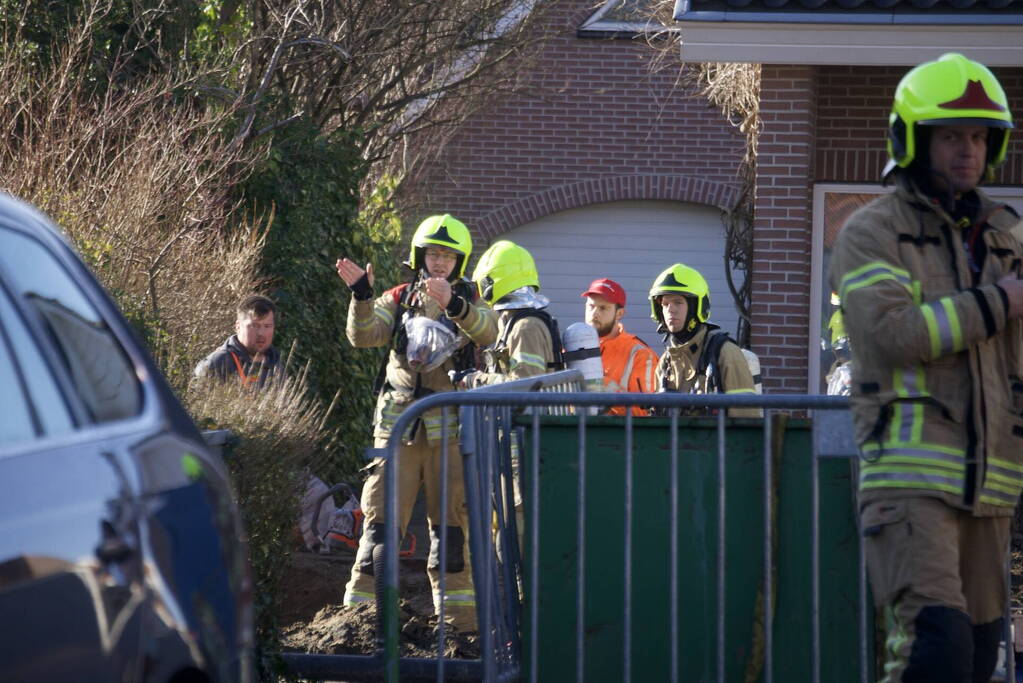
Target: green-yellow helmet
[(441, 231), (681, 279), (949, 91), (502, 269)]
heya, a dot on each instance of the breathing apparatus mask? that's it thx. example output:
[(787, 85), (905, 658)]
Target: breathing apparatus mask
[(430, 343)]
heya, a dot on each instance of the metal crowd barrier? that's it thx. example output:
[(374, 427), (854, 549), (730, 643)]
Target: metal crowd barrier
[(491, 437)]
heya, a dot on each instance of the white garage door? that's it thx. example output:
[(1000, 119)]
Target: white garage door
[(630, 242)]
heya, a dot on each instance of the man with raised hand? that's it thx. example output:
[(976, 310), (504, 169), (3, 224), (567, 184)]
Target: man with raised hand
[(430, 325)]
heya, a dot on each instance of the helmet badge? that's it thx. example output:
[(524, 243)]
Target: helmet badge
[(670, 281), (973, 97), (441, 235)]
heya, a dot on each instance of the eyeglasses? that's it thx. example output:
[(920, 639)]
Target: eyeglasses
[(441, 254)]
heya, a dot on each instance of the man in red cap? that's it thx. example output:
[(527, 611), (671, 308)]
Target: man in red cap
[(629, 364)]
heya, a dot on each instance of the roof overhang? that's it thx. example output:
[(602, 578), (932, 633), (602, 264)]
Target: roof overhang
[(901, 40)]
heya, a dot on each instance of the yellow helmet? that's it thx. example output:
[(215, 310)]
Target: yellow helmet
[(950, 91), (502, 269), (441, 231), (681, 279)]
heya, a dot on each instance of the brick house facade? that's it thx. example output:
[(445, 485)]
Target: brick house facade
[(598, 126)]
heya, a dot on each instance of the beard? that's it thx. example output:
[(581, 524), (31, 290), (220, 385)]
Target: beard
[(603, 329)]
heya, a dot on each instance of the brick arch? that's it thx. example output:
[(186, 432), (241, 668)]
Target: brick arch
[(681, 188)]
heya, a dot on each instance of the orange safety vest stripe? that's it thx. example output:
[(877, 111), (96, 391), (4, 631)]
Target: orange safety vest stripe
[(629, 364)]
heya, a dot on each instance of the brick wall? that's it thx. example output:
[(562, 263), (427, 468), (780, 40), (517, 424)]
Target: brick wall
[(781, 237), (595, 125)]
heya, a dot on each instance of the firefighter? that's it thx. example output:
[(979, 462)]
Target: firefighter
[(629, 363), (430, 325), (927, 278), (698, 358), (528, 342)]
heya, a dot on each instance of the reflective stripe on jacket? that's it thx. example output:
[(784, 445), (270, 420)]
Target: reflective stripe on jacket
[(371, 323), (677, 370), (629, 365), (936, 396)]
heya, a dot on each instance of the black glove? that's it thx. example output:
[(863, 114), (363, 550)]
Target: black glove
[(362, 290), (457, 307)]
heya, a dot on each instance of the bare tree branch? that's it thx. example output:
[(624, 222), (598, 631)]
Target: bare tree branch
[(735, 89), (384, 68)]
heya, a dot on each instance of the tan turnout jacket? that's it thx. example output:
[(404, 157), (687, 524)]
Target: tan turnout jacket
[(371, 323), (525, 352), (677, 371), (937, 399)]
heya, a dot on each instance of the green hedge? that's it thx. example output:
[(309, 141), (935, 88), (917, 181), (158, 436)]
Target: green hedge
[(311, 183)]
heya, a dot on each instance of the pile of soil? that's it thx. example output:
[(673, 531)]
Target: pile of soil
[(314, 619)]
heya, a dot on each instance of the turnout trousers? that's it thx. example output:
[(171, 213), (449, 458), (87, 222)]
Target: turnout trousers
[(420, 465), (939, 574)]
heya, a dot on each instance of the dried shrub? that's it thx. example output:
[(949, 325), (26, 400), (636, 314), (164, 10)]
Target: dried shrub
[(280, 434), (140, 175)]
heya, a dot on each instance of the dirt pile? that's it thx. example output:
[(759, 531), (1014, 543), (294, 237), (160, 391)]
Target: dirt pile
[(314, 620)]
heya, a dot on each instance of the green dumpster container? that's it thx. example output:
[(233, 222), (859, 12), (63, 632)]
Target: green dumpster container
[(602, 651)]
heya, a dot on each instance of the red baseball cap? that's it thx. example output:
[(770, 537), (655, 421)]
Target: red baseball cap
[(609, 289)]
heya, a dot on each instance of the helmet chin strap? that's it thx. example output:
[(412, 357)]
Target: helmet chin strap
[(684, 335), (687, 332)]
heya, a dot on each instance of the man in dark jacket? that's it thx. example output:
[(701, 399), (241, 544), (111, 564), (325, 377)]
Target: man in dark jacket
[(248, 354)]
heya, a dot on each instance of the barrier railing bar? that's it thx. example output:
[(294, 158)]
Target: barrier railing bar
[(697, 401), (815, 568), (673, 543), (534, 559), (510, 546), (444, 464), (861, 560), (721, 566), (386, 658), (390, 598), (484, 615), (628, 548), (580, 610), (368, 667), (1007, 636), (472, 424), (768, 554), (499, 484)]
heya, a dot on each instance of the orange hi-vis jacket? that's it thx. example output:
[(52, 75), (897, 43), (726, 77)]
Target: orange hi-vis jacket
[(629, 365)]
